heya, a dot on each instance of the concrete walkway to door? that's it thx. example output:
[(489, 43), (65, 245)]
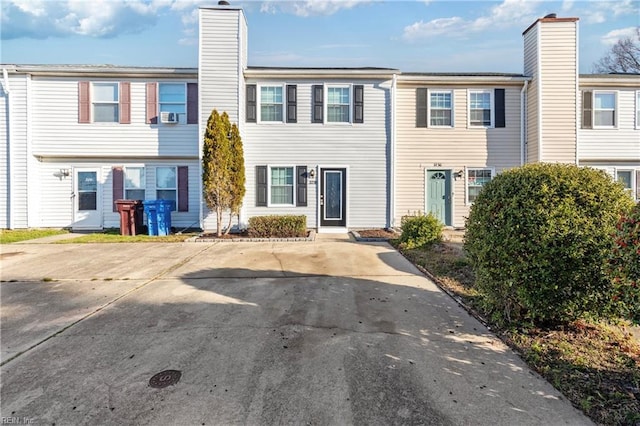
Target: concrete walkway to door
[(324, 332)]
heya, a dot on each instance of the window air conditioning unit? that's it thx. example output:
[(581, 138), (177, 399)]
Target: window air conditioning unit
[(169, 117)]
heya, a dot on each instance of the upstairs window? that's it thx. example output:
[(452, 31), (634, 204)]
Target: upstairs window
[(638, 109), (338, 104), (480, 108), (604, 109), (173, 98), (440, 108), (105, 103), (134, 183), (271, 103)]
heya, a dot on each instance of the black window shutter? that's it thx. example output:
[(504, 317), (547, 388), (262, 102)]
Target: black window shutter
[(292, 103), (251, 104), (587, 107), (500, 109), (192, 103), (318, 100), (358, 103), (261, 186), (421, 107), (301, 186)]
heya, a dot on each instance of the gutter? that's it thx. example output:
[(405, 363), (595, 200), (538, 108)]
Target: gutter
[(523, 123), (392, 154), (7, 92)]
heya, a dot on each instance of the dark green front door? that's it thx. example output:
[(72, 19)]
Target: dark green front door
[(438, 193)]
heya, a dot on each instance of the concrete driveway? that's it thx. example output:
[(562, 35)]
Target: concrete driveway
[(324, 332)]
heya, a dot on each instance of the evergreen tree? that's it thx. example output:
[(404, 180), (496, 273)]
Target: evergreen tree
[(222, 168)]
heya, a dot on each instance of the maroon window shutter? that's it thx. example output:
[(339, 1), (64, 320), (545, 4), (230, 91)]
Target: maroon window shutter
[(152, 103), (125, 102), (84, 103), (118, 185), (192, 103), (183, 189)]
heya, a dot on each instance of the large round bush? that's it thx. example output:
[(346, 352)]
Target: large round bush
[(539, 237)]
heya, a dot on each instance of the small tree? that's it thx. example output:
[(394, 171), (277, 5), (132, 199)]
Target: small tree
[(222, 168), (624, 56)]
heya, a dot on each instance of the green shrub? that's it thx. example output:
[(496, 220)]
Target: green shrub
[(277, 226), (420, 231), (538, 237), (624, 266)]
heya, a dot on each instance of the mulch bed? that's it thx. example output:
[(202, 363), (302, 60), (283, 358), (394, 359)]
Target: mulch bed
[(378, 233)]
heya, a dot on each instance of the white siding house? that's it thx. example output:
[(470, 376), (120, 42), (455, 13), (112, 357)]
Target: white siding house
[(346, 147)]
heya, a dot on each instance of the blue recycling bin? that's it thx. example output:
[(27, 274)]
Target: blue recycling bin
[(159, 216), (165, 207)]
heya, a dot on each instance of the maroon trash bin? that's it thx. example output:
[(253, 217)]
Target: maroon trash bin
[(131, 216)]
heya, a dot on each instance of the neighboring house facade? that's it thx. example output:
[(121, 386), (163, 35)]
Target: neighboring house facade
[(346, 147)]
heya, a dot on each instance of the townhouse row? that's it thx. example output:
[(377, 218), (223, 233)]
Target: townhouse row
[(347, 147)]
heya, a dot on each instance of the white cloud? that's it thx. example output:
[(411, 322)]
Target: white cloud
[(506, 14), (310, 7), (567, 5), (612, 37), (599, 12)]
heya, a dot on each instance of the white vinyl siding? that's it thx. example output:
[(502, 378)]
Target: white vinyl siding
[(638, 109), (312, 145), (56, 132), (481, 108), (440, 108)]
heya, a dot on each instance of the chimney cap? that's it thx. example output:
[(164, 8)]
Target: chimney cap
[(223, 3), (551, 16)]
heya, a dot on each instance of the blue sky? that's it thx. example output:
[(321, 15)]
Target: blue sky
[(428, 35)]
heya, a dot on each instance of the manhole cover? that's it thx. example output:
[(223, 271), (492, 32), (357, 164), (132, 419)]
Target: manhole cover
[(165, 378)]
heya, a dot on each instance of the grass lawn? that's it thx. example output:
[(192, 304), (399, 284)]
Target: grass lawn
[(595, 365), (113, 236), (14, 235)]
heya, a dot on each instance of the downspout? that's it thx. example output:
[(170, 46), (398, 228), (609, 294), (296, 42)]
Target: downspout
[(7, 92), (392, 153), (523, 123)]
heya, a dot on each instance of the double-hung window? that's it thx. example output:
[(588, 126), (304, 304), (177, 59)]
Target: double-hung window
[(604, 109), (173, 98), (281, 185), (480, 108), (440, 108), (134, 183), (476, 179), (105, 102), (271, 103), (167, 184), (626, 178), (338, 104)]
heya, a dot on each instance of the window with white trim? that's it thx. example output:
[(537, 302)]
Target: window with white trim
[(172, 97), (626, 178), (167, 184), (271, 103), (105, 98), (604, 109), (281, 186), (476, 179), (441, 108), (480, 108), (338, 104), (134, 183)]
